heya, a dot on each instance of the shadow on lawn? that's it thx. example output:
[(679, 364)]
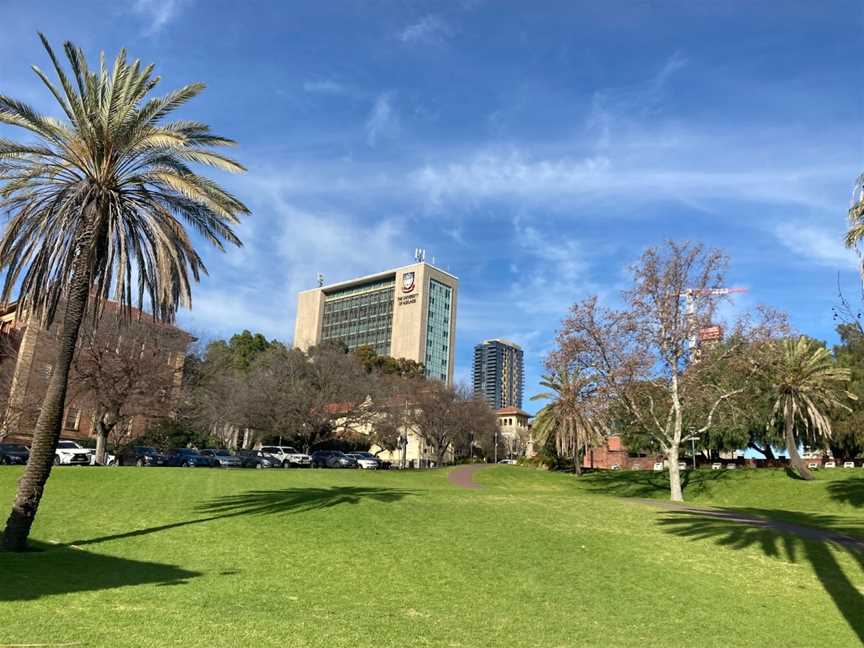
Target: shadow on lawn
[(850, 491), (58, 569), (271, 502), (797, 541), (645, 483)]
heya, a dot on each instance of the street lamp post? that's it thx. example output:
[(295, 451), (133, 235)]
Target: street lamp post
[(693, 448)]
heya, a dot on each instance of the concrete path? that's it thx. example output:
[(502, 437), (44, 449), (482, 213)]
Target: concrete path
[(463, 476), (737, 517)]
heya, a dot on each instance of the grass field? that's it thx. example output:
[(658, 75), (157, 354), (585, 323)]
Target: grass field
[(160, 557)]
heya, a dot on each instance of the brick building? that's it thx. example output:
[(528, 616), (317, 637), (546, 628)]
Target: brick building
[(147, 355), (613, 453)]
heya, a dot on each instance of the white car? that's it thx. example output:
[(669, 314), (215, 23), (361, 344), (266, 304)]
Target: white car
[(366, 460), (289, 457), (70, 453)]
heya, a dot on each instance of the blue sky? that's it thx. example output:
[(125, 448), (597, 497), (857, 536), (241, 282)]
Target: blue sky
[(534, 149)]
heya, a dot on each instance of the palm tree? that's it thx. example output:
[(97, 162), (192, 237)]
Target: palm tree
[(805, 384), (569, 418), (855, 233), (99, 207)]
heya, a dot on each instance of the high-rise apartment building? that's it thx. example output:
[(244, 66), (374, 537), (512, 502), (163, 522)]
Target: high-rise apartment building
[(408, 313), (499, 373)]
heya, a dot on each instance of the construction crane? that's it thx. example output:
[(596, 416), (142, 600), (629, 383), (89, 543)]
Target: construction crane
[(690, 302)]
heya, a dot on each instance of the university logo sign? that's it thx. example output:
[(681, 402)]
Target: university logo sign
[(407, 282)]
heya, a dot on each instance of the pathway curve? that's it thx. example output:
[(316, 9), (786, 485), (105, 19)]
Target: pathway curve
[(463, 476), (738, 517)]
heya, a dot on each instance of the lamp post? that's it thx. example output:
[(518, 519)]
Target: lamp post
[(693, 448)]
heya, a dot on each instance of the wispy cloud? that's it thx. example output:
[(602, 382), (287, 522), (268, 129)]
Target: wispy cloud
[(158, 13), (818, 245), (324, 86), (430, 29), (383, 120)]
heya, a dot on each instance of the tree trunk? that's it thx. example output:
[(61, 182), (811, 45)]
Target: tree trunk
[(101, 442), (47, 432), (675, 492), (792, 446)]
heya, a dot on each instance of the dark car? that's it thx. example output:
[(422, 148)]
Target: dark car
[(13, 453), (257, 459), (221, 458), (187, 458), (141, 456), (332, 459)]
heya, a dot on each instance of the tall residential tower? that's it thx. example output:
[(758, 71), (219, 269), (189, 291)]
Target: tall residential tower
[(407, 313), (499, 373)]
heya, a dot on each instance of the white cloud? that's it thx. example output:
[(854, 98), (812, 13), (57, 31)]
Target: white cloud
[(383, 120), (518, 175), (158, 12), (821, 246), (429, 30), (324, 86)]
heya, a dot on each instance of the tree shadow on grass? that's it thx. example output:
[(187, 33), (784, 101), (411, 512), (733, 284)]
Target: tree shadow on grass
[(730, 528), (647, 483), (270, 502), (58, 569), (850, 491)]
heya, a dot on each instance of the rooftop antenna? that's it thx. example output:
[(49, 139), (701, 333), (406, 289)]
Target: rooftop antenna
[(419, 255), (320, 280)]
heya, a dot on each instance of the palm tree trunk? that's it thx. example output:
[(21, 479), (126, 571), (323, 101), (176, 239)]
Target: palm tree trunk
[(792, 446), (47, 432)]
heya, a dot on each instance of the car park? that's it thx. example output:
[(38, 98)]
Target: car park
[(288, 456), (332, 459), (13, 453), (69, 453), (366, 460), (187, 458), (140, 456), (257, 459), (222, 458)]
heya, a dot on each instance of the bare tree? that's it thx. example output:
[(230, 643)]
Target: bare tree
[(644, 356), (123, 373)]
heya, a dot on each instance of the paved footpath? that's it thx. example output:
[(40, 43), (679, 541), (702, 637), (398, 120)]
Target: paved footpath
[(463, 476), (737, 517)]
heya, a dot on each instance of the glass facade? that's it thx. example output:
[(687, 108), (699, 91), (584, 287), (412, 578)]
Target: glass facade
[(360, 316), (438, 330)]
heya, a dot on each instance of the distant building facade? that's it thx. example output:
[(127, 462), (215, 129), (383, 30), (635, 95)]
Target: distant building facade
[(409, 312), (515, 429), (499, 373), (35, 352)]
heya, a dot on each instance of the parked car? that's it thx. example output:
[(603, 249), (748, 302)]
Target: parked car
[(141, 456), (366, 460), (70, 453), (13, 453), (222, 458), (289, 457), (332, 459), (513, 462), (187, 458), (257, 459)]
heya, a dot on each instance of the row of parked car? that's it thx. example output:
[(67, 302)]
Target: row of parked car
[(70, 453)]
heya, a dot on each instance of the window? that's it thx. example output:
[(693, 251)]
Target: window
[(72, 420)]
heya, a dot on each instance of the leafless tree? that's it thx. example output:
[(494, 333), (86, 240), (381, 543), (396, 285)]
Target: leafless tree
[(644, 356), (123, 373)]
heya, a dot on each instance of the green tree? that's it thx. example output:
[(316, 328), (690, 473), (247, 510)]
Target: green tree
[(570, 421), (806, 385), (99, 205), (855, 233), (847, 440)]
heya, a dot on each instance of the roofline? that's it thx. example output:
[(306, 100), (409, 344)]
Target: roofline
[(378, 275), (502, 341)]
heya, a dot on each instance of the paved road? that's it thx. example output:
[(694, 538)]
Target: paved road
[(463, 476), (737, 517)]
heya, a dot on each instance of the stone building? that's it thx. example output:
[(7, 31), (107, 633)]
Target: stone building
[(156, 362)]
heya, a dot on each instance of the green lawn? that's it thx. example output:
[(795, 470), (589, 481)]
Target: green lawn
[(160, 557)]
